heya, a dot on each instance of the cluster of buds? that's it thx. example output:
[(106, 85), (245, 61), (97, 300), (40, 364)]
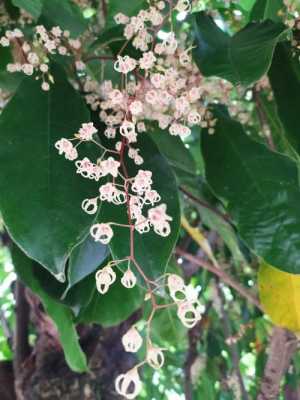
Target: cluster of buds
[(33, 57)]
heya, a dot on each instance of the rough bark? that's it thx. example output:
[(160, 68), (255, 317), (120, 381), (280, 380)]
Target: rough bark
[(282, 347)]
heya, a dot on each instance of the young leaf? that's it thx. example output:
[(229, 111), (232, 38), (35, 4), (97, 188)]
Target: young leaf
[(146, 246), (284, 76), (60, 314), (41, 201), (279, 294), (241, 59), (260, 190)]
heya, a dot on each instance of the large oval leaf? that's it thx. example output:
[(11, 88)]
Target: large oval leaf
[(260, 189), (40, 193), (241, 59)]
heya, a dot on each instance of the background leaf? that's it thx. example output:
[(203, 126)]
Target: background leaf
[(241, 59), (260, 190), (41, 201), (267, 9), (284, 76)]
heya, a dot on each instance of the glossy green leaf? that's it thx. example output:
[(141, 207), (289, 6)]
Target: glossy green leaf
[(64, 13), (146, 245), (241, 59), (33, 7), (267, 9), (41, 201), (60, 314), (113, 307), (284, 76), (260, 189)]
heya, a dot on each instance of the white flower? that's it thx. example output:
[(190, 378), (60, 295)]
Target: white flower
[(104, 278), (128, 279), (90, 206), (159, 220), (46, 87), (64, 146), (132, 340), (176, 287), (110, 166), (102, 233), (155, 357), (86, 131), (189, 314), (129, 385), (125, 64)]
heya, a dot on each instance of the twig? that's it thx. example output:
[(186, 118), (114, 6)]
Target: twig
[(282, 348), (202, 203), (232, 347), (21, 343), (222, 275)]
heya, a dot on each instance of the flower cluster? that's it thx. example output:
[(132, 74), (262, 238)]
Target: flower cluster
[(34, 56)]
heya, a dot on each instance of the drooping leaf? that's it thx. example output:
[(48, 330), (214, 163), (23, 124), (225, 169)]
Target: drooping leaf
[(260, 190), (64, 13), (284, 76), (41, 201), (33, 7), (60, 314), (267, 9), (241, 59), (279, 294), (146, 245)]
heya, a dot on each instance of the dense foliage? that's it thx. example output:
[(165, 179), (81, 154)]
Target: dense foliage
[(149, 172)]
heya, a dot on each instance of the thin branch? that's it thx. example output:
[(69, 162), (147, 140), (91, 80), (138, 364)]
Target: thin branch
[(222, 275), (202, 203), (232, 347), (21, 343), (282, 348)]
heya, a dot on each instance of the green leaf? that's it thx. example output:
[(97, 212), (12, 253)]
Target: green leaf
[(241, 59), (260, 189), (60, 314), (33, 7), (183, 167), (146, 246), (65, 14), (267, 9), (284, 76), (113, 307), (41, 201)]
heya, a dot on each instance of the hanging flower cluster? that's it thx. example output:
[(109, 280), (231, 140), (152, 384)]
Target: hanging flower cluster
[(34, 56)]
